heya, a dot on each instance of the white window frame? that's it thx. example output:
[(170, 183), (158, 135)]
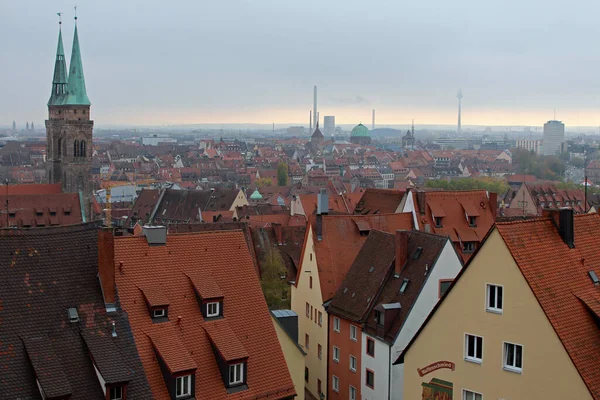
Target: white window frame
[(466, 392), (217, 307), (353, 332), (466, 345), (336, 324), (494, 310), (186, 386), (335, 384), (159, 313), (352, 393), (505, 365), (114, 396), (336, 350), (353, 369), (238, 374)]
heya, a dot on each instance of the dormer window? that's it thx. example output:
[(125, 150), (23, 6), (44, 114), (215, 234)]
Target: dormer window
[(473, 222), (183, 387), (157, 302), (404, 285), (212, 309), (379, 317), (159, 313), (438, 222), (236, 374), (116, 393)]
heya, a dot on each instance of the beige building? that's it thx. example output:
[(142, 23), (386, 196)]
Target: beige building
[(519, 321), (307, 302), (294, 357)]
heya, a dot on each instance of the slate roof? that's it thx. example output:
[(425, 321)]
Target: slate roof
[(379, 201), (222, 256), (44, 272), (36, 210), (558, 277), (143, 206), (342, 240), (183, 205), (416, 272)]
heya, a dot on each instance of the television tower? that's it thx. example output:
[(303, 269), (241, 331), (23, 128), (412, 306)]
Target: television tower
[(459, 96), (315, 114)]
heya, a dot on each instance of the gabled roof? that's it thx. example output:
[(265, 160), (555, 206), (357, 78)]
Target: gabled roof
[(46, 271), (341, 241), (558, 277), (223, 256)]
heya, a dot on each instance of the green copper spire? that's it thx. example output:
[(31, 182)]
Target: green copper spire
[(76, 94), (59, 82)]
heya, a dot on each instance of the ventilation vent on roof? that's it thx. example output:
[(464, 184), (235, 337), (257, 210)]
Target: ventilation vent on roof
[(345, 289), (73, 316), (594, 278), (371, 269)]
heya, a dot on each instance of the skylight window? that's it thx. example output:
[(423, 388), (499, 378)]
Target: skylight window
[(417, 253), (404, 285)]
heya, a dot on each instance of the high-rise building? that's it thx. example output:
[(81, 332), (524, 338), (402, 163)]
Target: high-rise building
[(329, 125), (554, 136), (69, 127), (315, 112)]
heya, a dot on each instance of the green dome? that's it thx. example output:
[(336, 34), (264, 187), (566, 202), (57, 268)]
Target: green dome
[(360, 131), (256, 195)]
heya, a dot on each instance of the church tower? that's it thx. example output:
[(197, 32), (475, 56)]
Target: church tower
[(69, 127)]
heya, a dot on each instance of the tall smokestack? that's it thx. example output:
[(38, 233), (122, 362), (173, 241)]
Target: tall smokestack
[(315, 115), (459, 96), (310, 122), (373, 124)]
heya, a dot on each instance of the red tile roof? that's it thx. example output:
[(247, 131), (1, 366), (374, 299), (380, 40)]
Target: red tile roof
[(202, 254), (379, 201), (225, 340), (42, 188), (342, 240), (558, 277), (169, 347), (32, 210)]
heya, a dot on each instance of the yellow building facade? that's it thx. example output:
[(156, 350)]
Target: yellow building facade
[(438, 363), (294, 358), (307, 302)]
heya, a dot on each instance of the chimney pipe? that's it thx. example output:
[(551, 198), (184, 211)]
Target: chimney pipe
[(563, 220), (421, 201), (106, 266), (401, 251), (155, 235), (322, 202), (494, 204)]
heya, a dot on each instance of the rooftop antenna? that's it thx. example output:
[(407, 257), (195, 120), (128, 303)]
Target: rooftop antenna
[(59, 18), (75, 8)]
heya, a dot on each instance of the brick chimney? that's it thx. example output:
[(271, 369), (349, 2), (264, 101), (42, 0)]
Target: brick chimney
[(563, 220), (106, 266), (278, 229), (401, 251), (494, 204), (421, 201)]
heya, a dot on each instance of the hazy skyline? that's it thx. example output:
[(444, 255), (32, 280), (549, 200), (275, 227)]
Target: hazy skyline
[(185, 62)]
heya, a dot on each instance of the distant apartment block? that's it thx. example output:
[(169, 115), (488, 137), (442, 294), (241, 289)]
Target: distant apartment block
[(530, 145), (329, 125), (155, 140), (554, 136)]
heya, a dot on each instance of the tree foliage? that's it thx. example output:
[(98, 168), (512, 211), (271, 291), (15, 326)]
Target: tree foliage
[(260, 182), (274, 287), (493, 185), (543, 167), (282, 174)]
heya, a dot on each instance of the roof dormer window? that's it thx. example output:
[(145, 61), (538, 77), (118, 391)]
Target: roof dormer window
[(157, 302), (159, 313), (473, 222), (212, 309), (116, 393), (183, 387), (438, 222), (236, 374)]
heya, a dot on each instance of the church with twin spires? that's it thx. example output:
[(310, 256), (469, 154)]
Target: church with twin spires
[(69, 127)]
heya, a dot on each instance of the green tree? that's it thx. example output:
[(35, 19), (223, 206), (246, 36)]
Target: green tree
[(273, 280), (282, 174), (260, 182), (493, 185)]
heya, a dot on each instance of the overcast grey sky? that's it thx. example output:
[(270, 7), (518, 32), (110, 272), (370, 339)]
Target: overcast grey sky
[(192, 61)]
